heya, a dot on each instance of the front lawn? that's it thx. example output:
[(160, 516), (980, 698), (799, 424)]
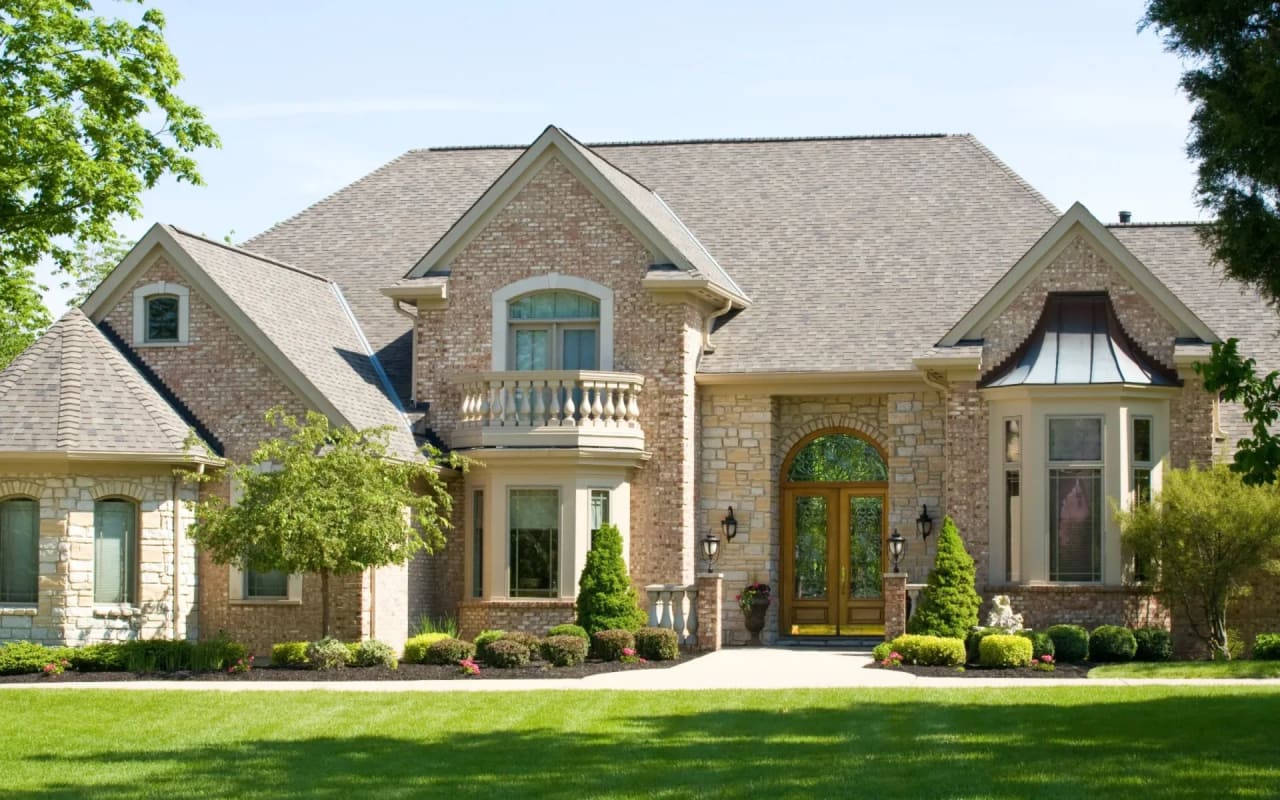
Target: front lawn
[(1079, 741), (1189, 669)]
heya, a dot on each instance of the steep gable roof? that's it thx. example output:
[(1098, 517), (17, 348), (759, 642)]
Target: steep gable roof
[(299, 323), (72, 393)]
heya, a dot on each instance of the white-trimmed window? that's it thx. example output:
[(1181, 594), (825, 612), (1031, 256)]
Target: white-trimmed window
[(161, 314), (533, 517), (246, 584), (599, 510), (1076, 498), (115, 551), (1141, 460), (1012, 494), (553, 322), (19, 549)]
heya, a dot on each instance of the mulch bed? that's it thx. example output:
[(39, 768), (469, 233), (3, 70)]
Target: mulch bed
[(1062, 671), (538, 670)]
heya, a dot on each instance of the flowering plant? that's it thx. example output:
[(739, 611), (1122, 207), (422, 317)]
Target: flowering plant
[(56, 667), (629, 656), (469, 666), (1044, 663), (752, 594), (894, 659), (241, 666)]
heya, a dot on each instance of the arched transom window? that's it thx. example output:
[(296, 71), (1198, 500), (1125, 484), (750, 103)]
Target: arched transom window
[(838, 458), (553, 330)]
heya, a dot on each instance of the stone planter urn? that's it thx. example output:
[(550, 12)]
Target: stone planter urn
[(754, 602)]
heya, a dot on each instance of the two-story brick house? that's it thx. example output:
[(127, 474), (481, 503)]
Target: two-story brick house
[(828, 335)]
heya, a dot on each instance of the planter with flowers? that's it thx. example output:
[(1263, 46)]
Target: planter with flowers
[(754, 602)]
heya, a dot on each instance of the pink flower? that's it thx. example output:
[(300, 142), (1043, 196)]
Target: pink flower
[(628, 651), (1046, 658), (896, 656)]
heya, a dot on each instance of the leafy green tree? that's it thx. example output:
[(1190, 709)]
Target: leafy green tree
[(326, 500), (1211, 536), (1236, 380), (949, 602), (91, 262), (606, 598), (77, 92), (22, 315)]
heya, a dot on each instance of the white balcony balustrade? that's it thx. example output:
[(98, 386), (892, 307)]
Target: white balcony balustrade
[(573, 408)]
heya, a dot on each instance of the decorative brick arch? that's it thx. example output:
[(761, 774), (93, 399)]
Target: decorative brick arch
[(117, 488), (20, 488), (830, 423)]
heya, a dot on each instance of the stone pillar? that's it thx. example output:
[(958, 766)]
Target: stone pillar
[(895, 605), (710, 610)]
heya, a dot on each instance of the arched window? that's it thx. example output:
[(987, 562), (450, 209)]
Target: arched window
[(838, 458), (161, 314), (19, 549), (115, 551), (553, 330)]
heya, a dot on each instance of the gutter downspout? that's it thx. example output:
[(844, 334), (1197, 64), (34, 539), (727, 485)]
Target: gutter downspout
[(707, 346), (413, 346)]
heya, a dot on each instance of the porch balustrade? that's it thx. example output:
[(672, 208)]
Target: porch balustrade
[(913, 597), (675, 607)]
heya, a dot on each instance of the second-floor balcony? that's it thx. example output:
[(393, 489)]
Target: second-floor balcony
[(565, 408)]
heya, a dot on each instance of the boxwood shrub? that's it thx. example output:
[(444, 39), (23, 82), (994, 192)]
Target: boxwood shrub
[(1266, 646), (1002, 651), (531, 642), (328, 653), (564, 650), (569, 629), (1070, 643), (1154, 644), (608, 645), (415, 649), (1041, 644), (449, 651), (289, 654), (24, 658), (484, 639), (506, 653), (657, 644), (929, 651), (376, 654), (881, 651), (102, 657), (973, 639), (1112, 643)]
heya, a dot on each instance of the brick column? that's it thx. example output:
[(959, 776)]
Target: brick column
[(895, 605), (710, 610)]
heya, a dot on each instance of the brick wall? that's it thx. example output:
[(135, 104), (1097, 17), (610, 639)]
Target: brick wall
[(530, 616), (966, 487)]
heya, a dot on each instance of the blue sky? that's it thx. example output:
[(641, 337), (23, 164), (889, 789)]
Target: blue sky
[(309, 96)]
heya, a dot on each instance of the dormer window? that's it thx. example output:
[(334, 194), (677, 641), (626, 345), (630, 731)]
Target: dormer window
[(555, 330), (161, 314)]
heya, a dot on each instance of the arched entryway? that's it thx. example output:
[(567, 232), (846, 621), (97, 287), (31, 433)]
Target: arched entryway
[(834, 488)]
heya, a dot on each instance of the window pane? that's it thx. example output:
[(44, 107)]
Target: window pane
[(19, 550), (535, 542), (838, 457), (274, 584), (1012, 518), (599, 509), (114, 551), (1075, 524), (162, 319), (1142, 486), (1013, 440), (554, 305), (579, 349), (1075, 439), (477, 545), (811, 548), (531, 349), (866, 553), (1142, 439)]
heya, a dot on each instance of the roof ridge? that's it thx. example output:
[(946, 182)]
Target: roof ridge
[(982, 148), (134, 383), (369, 176), (251, 254), (70, 384), (710, 140), (1169, 224)]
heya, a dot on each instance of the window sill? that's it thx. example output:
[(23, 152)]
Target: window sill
[(159, 344), (265, 601), (116, 612), (18, 610)]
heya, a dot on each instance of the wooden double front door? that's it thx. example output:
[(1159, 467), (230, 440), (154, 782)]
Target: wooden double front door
[(833, 560)]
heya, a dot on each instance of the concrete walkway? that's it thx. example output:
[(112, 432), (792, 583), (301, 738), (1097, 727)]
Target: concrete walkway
[(733, 668)]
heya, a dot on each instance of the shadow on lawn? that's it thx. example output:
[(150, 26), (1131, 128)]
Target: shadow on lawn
[(1174, 746)]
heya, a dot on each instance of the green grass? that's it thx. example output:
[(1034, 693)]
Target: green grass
[(1190, 669), (1078, 741)]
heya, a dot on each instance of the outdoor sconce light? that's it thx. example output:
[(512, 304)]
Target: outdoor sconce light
[(897, 546), (924, 523), (710, 549), (729, 525)]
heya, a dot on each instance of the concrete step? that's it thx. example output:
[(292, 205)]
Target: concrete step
[(830, 642)]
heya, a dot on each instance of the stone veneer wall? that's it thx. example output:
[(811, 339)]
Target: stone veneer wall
[(65, 612), (555, 224)]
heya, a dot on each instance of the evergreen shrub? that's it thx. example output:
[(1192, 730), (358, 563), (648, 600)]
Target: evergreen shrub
[(1111, 643), (949, 603), (1070, 643), (1154, 644), (449, 651), (657, 644), (506, 653), (1003, 651), (415, 649), (606, 598), (929, 651), (564, 650), (289, 654), (608, 645)]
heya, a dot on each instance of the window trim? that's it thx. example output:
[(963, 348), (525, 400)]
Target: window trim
[(502, 338), (557, 577), (36, 565), (1051, 465), (141, 301)]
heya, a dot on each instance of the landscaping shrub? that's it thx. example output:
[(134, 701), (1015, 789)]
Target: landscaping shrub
[(449, 651), (881, 651), (657, 644), (1266, 647), (606, 597), (608, 645), (484, 639), (415, 650), (156, 655), (376, 654), (24, 658), (1070, 643), (531, 642), (949, 603), (289, 654), (569, 629), (1001, 651), (564, 650), (506, 653), (1111, 643), (328, 653), (1154, 644), (1041, 644), (929, 651), (973, 640), (216, 654), (103, 657)]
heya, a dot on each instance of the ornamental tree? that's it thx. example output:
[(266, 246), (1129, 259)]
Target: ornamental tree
[(949, 602), (325, 499), (1211, 537), (606, 598)]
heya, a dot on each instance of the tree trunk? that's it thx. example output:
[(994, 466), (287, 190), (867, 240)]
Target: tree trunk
[(324, 602)]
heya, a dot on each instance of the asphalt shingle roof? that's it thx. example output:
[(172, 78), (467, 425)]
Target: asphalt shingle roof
[(74, 392)]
